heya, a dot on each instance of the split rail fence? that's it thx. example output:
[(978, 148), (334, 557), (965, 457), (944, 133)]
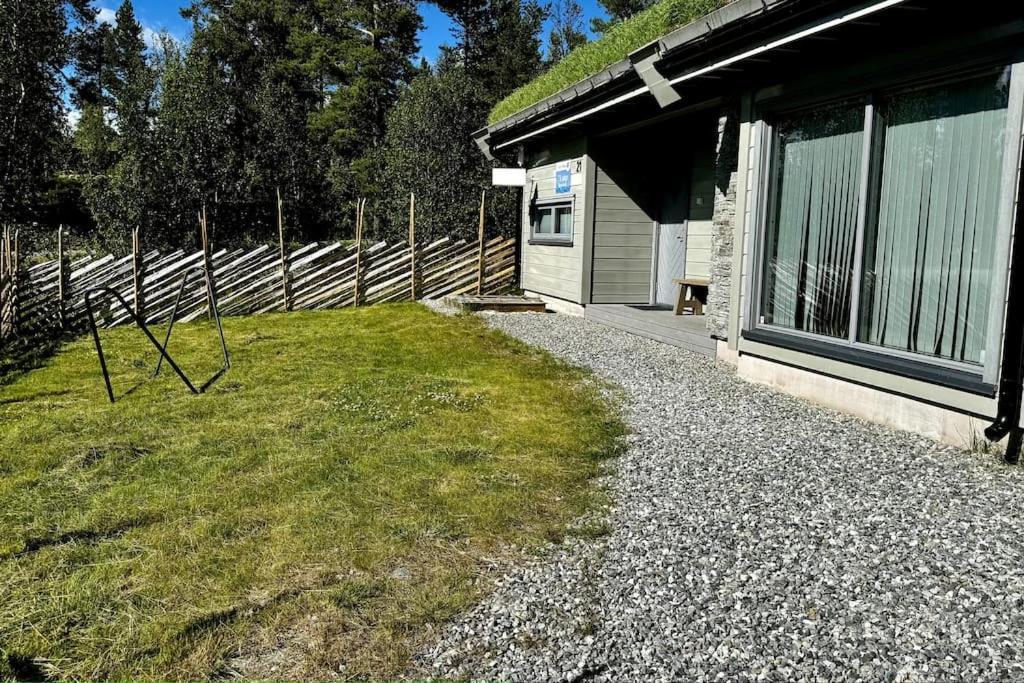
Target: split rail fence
[(49, 298)]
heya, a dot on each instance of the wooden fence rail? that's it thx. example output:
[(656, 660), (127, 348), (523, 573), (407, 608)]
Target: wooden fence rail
[(41, 301)]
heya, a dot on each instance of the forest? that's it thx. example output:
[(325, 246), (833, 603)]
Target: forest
[(104, 129)]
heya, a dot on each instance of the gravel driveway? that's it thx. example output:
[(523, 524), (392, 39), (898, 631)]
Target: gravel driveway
[(757, 537)]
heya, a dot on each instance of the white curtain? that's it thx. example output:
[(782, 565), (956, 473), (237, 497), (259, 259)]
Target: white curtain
[(929, 250), (811, 234)]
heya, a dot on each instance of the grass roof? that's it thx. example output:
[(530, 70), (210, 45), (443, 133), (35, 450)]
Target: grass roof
[(616, 44)]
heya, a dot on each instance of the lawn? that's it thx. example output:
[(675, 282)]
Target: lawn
[(334, 495)]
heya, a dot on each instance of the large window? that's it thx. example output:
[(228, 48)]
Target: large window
[(552, 223), (883, 220), (813, 221)]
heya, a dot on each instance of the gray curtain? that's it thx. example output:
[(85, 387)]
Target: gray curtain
[(811, 232), (929, 248)]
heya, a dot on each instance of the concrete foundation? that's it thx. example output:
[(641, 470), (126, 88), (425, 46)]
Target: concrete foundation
[(558, 305), (900, 412)]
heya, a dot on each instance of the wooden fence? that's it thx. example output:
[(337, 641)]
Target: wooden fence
[(47, 298)]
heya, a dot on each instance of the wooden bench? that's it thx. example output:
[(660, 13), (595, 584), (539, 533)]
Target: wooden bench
[(687, 296)]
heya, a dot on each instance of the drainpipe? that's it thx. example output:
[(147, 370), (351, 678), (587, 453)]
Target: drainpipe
[(1011, 382)]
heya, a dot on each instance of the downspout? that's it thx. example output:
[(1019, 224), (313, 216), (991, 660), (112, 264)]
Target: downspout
[(1011, 381)]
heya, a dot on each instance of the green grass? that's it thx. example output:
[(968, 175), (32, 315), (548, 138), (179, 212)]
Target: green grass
[(334, 494), (587, 60)]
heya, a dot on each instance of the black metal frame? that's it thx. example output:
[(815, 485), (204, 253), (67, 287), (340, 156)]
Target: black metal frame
[(141, 324), (211, 292)]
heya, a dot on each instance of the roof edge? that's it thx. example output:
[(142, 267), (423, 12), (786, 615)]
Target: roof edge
[(667, 44)]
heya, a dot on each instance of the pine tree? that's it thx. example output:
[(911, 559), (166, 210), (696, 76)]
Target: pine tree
[(311, 82), (114, 135), (618, 10), (35, 47), (498, 41), (566, 30)]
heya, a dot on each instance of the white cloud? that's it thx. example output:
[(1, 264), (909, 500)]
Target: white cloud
[(73, 116), (149, 35), (105, 15)]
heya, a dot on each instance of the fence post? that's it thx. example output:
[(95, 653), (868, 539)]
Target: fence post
[(285, 277), (204, 236), (360, 209), (138, 267), (480, 264), (412, 243), (62, 280), (9, 272), (3, 284)]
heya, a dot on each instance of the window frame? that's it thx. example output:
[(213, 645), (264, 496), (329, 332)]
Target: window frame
[(956, 374), (553, 239)]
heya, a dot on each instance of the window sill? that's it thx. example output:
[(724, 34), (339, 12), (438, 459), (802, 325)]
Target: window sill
[(923, 371), (549, 243)]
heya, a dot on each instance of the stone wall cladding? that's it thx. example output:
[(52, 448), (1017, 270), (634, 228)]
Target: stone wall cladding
[(723, 222)]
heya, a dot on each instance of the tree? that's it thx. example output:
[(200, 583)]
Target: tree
[(498, 42), (310, 83), (566, 30), (618, 10), (360, 57), (429, 151), (195, 160), (35, 47), (115, 133)]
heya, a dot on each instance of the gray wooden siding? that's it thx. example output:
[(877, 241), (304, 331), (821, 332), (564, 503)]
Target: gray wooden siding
[(623, 232), (555, 270)]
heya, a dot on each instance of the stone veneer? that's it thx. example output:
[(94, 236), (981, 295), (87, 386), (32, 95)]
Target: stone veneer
[(726, 158)]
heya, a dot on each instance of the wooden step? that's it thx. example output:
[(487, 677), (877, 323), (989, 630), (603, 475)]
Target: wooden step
[(500, 304)]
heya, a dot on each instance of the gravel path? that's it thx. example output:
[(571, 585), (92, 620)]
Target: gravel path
[(757, 537)]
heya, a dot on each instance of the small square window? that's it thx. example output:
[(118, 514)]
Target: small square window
[(552, 223)]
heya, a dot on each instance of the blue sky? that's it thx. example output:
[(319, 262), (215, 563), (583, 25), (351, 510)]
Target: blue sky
[(161, 15)]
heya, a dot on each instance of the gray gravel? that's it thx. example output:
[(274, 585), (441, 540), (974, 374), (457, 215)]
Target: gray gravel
[(757, 537)]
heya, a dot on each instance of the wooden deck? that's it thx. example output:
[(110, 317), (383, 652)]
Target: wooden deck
[(685, 331)]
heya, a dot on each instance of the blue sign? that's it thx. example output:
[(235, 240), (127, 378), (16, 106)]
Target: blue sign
[(563, 181)]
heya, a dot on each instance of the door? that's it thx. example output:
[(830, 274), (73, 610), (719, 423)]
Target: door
[(671, 264)]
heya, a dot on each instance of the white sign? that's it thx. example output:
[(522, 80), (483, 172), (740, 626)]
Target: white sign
[(508, 177)]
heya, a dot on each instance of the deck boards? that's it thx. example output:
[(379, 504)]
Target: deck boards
[(685, 331)]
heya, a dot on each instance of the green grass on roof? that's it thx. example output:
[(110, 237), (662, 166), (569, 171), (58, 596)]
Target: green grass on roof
[(616, 44)]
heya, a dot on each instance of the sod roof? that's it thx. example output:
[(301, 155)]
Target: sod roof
[(615, 45)]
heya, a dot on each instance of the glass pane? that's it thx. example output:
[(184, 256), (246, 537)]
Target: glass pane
[(930, 245), (545, 221), (564, 220), (808, 267)]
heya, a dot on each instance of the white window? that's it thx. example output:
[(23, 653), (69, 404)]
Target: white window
[(551, 223)]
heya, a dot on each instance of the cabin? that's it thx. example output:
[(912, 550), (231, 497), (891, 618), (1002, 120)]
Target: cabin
[(822, 193)]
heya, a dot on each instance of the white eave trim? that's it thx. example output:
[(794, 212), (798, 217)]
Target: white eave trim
[(832, 23)]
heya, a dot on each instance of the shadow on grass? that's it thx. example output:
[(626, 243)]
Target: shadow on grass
[(32, 545), (21, 355), (17, 667)]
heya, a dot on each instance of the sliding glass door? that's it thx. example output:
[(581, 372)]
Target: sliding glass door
[(932, 238), (892, 244)]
